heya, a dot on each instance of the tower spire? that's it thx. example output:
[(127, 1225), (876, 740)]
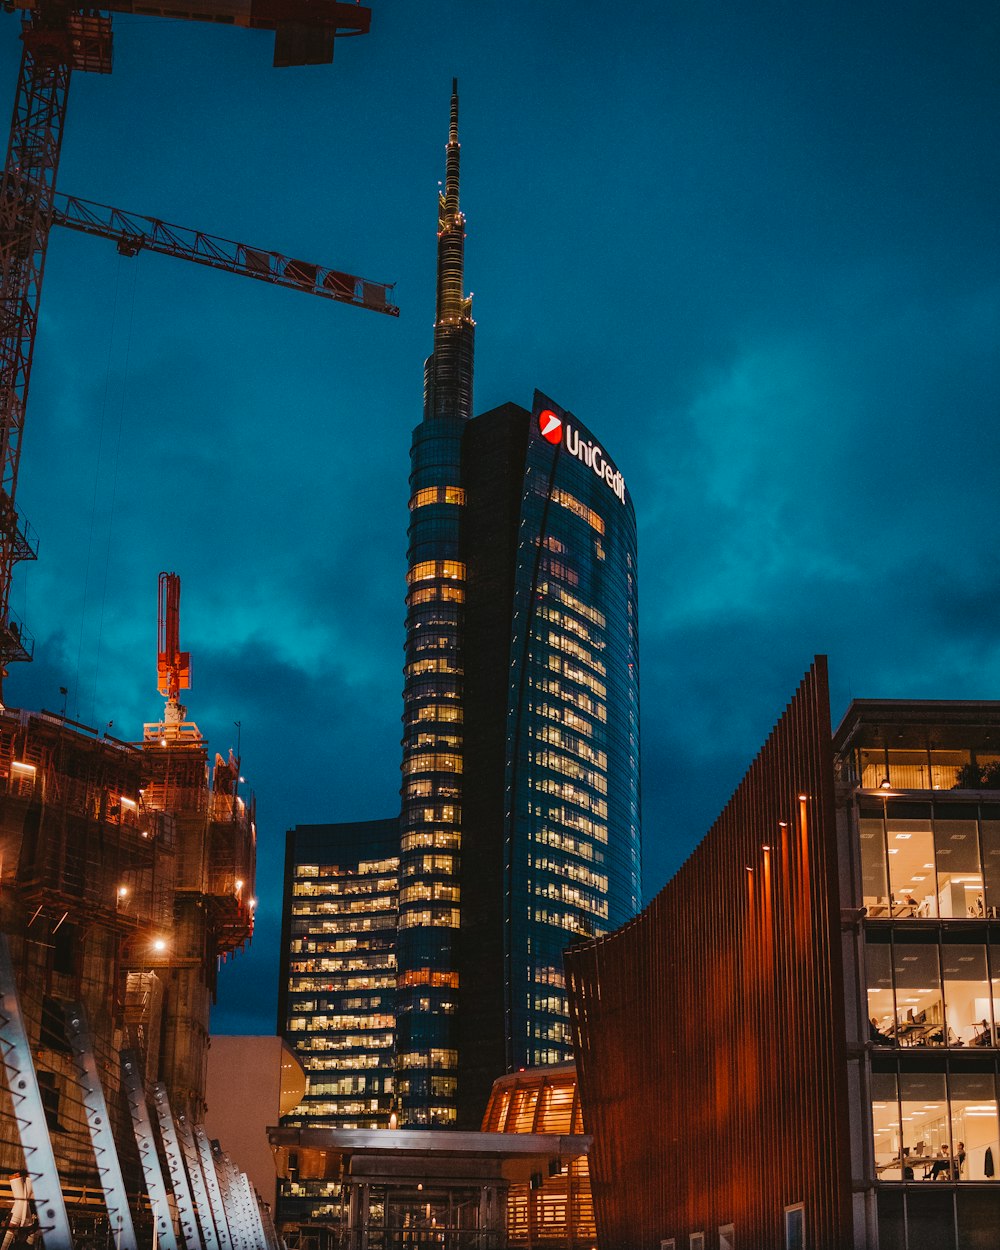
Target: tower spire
[(448, 370)]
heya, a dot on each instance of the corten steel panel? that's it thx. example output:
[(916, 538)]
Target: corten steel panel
[(709, 1031)]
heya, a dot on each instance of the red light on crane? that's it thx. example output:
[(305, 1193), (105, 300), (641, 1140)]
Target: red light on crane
[(173, 666)]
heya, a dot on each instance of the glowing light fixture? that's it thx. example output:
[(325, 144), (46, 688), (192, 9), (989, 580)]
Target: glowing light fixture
[(159, 945), (22, 767)]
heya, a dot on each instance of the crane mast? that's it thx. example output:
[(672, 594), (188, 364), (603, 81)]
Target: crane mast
[(173, 666), (59, 37)]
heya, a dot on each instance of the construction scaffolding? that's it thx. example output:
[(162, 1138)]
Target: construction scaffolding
[(126, 877)]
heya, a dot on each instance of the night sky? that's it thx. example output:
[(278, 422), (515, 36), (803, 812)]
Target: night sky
[(753, 245)]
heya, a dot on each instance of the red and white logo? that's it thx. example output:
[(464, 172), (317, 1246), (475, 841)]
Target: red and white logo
[(550, 425)]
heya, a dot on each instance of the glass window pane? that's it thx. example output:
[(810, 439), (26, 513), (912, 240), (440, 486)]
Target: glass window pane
[(911, 867), (881, 1009), (885, 1126), (908, 770), (966, 992), (974, 1125), (924, 1118), (874, 878), (991, 863), (872, 768), (919, 1010), (945, 768), (987, 1036), (960, 880)]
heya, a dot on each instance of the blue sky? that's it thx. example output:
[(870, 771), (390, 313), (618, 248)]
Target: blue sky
[(754, 246)]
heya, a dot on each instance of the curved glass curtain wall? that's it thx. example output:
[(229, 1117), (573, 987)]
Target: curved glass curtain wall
[(572, 843), (426, 1054)]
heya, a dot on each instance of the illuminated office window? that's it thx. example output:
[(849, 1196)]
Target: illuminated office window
[(425, 570), (437, 494)]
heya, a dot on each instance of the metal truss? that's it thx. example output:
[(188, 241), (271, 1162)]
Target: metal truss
[(144, 1140), (25, 218), (175, 1165), (96, 1108), (267, 1223), (29, 1112), (213, 1187), (258, 1233), (134, 233), (203, 1206)]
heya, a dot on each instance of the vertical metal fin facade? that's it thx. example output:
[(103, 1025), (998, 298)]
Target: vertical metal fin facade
[(198, 1191), (175, 1165), (29, 1111), (709, 1031), (105, 1150), (142, 1127), (212, 1187)]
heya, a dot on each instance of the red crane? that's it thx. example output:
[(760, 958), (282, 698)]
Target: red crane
[(60, 37), (173, 666)]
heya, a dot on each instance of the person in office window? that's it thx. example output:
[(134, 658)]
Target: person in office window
[(959, 1160), (942, 1167), (876, 1035)]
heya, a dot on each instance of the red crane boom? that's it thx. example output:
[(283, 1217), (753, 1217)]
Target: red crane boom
[(134, 234), (58, 37), (173, 666)]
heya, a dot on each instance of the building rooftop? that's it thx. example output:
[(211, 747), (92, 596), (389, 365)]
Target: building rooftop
[(941, 723)]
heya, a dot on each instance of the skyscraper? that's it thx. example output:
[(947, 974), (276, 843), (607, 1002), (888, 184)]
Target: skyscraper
[(520, 791), (336, 999), (519, 815)]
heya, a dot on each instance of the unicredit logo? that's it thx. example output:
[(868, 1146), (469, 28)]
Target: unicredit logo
[(594, 457), (550, 426)]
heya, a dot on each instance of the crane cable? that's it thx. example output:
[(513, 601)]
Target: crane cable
[(114, 479), (96, 493)]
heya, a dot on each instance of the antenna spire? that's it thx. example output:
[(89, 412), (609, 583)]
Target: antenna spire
[(448, 370)]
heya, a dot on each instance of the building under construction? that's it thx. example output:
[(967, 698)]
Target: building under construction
[(126, 878), (126, 869)]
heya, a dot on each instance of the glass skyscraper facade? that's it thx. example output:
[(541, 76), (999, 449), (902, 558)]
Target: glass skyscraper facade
[(336, 1002), (520, 786), (519, 796), (572, 730), (433, 754)]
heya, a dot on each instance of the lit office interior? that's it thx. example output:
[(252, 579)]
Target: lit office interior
[(922, 864), (935, 1126), (931, 993)]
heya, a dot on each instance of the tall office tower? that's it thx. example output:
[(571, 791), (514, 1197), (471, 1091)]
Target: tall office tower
[(431, 812), (337, 985), (520, 788)]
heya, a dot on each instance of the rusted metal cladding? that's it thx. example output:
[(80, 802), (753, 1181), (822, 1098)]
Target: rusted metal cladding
[(709, 1031)]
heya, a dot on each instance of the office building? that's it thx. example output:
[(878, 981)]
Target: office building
[(336, 999), (795, 1044), (519, 804), (520, 788)]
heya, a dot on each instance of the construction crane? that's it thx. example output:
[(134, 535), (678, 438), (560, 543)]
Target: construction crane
[(134, 233), (59, 37), (173, 666)]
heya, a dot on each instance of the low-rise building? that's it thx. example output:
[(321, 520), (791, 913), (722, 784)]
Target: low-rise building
[(796, 1042)]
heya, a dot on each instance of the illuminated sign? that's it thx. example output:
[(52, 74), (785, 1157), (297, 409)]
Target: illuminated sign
[(552, 428)]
